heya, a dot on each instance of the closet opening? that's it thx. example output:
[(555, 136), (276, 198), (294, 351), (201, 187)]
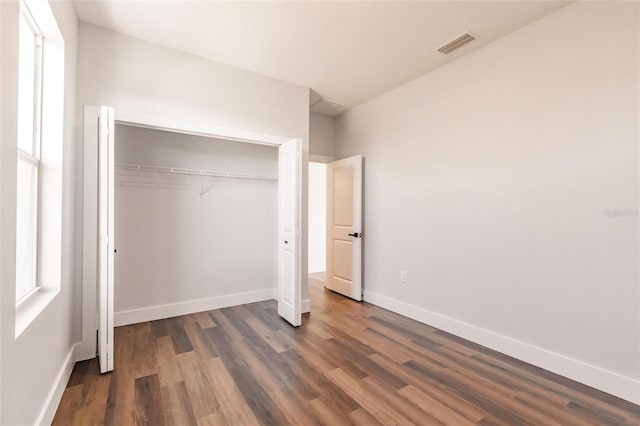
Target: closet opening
[(195, 221), (182, 218)]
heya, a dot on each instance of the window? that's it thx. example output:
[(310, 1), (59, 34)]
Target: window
[(40, 139), (28, 143)]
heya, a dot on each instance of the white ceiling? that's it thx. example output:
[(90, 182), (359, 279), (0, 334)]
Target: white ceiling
[(347, 52)]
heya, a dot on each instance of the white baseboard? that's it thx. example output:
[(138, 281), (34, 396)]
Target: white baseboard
[(85, 351), (55, 394), (192, 306), (306, 306), (616, 384)]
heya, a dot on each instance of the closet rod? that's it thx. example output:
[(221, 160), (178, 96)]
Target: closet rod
[(190, 172)]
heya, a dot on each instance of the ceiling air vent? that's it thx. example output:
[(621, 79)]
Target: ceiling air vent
[(457, 43)]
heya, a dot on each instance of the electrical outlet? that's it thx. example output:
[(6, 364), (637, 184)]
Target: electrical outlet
[(403, 276)]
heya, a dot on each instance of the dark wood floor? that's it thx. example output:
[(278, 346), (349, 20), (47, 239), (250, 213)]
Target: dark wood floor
[(349, 363)]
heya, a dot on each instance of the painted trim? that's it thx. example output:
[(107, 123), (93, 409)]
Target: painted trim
[(198, 129), (306, 306), (607, 381), (190, 307), (85, 352), (55, 394)]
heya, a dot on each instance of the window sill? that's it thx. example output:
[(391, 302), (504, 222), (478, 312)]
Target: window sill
[(31, 308), (27, 297)]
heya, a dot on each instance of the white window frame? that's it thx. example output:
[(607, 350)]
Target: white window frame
[(34, 158), (50, 183)]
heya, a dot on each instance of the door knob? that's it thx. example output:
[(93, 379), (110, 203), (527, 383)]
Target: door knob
[(286, 242), (355, 235)]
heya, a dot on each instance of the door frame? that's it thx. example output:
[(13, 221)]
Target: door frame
[(87, 348)]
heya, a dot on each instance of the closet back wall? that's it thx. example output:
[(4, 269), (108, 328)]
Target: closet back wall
[(180, 251)]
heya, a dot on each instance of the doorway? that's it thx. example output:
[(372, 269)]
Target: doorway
[(317, 221), (335, 226)]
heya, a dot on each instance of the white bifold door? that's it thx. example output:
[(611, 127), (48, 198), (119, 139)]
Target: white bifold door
[(344, 227), (289, 236), (106, 248)]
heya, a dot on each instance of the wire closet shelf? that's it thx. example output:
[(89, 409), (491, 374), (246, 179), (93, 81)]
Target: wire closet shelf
[(190, 172)]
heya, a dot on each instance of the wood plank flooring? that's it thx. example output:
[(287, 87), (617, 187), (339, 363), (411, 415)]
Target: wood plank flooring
[(348, 364)]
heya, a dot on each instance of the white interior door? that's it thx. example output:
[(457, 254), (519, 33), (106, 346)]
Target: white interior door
[(289, 237), (106, 250), (344, 227)]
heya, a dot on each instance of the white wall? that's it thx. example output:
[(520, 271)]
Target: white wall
[(175, 246), (322, 136), (144, 78), (28, 377), (506, 185), (317, 217), (133, 75)]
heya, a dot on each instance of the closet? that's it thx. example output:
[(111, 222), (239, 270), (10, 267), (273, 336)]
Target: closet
[(183, 221)]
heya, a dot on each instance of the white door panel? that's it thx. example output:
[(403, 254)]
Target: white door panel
[(106, 240), (344, 227), (289, 241), (343, 197)]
